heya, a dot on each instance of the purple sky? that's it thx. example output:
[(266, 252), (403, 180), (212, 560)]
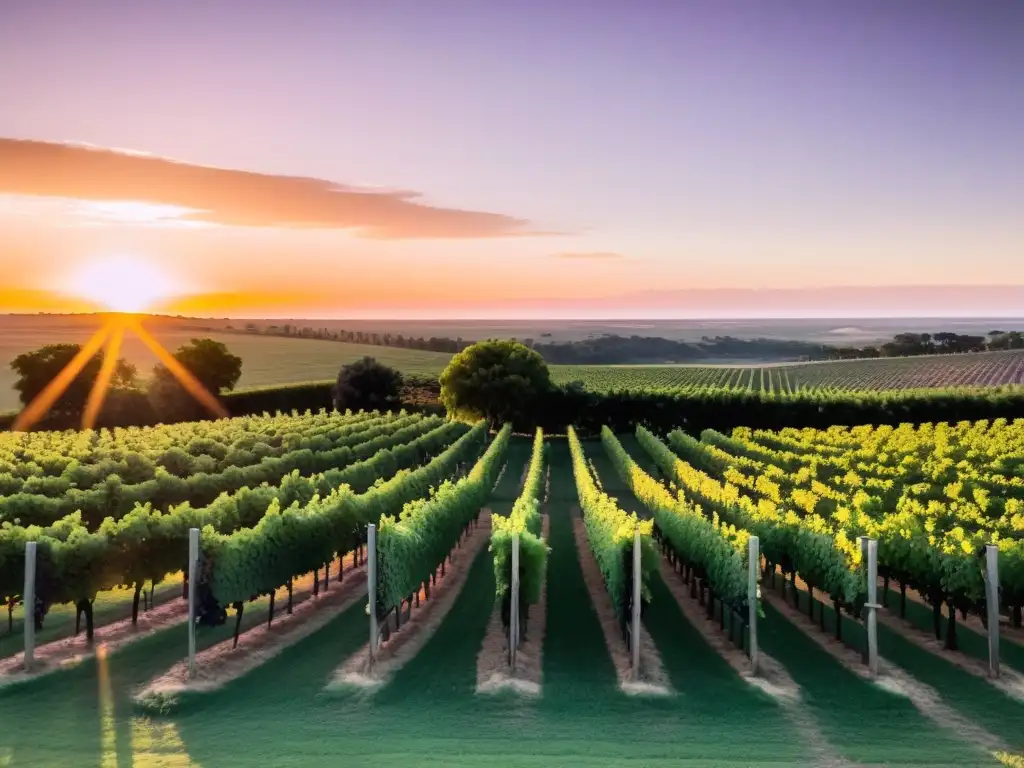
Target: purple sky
[(709, 144)]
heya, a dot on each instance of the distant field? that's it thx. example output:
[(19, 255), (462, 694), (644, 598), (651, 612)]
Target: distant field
[(271, 360), (981, 369)]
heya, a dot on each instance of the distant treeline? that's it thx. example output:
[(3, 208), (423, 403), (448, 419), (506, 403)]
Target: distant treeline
[(610, 349), (911, 344)]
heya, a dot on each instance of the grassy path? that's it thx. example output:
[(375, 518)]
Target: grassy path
[(969, 641), (85, 714), (865, 723), (717, 715), (971, 696), (968, 694)]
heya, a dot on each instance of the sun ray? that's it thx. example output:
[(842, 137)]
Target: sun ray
[(99, 388), (42, 402), (182, 374)]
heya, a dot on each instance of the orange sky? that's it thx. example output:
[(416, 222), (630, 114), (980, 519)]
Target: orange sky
[(243, 244)]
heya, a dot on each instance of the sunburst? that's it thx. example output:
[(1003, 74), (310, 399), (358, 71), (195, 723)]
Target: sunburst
[(124, 286)]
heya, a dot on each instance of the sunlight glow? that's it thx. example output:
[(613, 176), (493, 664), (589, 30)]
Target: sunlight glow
[(113, 329), (122, 284), (99, 388)]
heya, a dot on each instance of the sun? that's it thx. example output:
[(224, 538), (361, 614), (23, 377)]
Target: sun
[(122, 284)]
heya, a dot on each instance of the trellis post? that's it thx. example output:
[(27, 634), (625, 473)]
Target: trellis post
[(193, 577), (29, 599), (371, 585), (513, 618), (872, 606), (992, 606), (753, 566), (636, 605)]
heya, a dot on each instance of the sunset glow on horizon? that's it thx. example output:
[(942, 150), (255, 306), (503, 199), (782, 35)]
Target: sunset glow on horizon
[(700, 160)]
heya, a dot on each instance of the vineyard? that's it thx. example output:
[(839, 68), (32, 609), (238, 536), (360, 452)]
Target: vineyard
[(356, 594), (982, 369)]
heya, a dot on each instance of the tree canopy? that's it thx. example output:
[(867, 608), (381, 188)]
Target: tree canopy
[(39, 367), (368, 385), (496, 380), (213, 366)]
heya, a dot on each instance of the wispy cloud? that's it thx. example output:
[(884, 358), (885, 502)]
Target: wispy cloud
[(588, 255), (234, 197)]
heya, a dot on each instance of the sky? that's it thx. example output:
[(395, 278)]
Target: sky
[(467, 158)]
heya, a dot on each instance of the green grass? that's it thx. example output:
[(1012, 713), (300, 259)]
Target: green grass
[(110, 606), (968, 641), (863, 722)]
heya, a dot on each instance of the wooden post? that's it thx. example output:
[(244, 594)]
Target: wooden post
[(513, 617), (992, 605), (862, 544), (753, 563), (193, 577), (872, 606), (29, 598), (371, 584), (636, 606)]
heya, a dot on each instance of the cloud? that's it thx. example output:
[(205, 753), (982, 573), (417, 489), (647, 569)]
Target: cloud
[(236, 198), (588, 255)]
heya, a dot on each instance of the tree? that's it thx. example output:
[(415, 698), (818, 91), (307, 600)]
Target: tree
[(497, 380), (210, 363), (367, 385), (36, 369)]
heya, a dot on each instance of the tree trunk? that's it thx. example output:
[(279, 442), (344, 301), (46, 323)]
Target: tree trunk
[(10, 615), (937, 618), (839, 620), (426, 589), (289, 597), (821, 614), (85, 607), (951, 630), (417, 598), (135, 603), (327, 575), (316, 582), (239, 607), (270, 616), (442, 568), (810, 602), (903, 600)]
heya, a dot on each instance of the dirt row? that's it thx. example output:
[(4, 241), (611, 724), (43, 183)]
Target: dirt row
[(492, 668), (423, 619), (652, 678)]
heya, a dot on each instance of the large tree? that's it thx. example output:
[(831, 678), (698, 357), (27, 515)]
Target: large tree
[(36, 369), (497, 380), (367, 385), (212, 365)]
